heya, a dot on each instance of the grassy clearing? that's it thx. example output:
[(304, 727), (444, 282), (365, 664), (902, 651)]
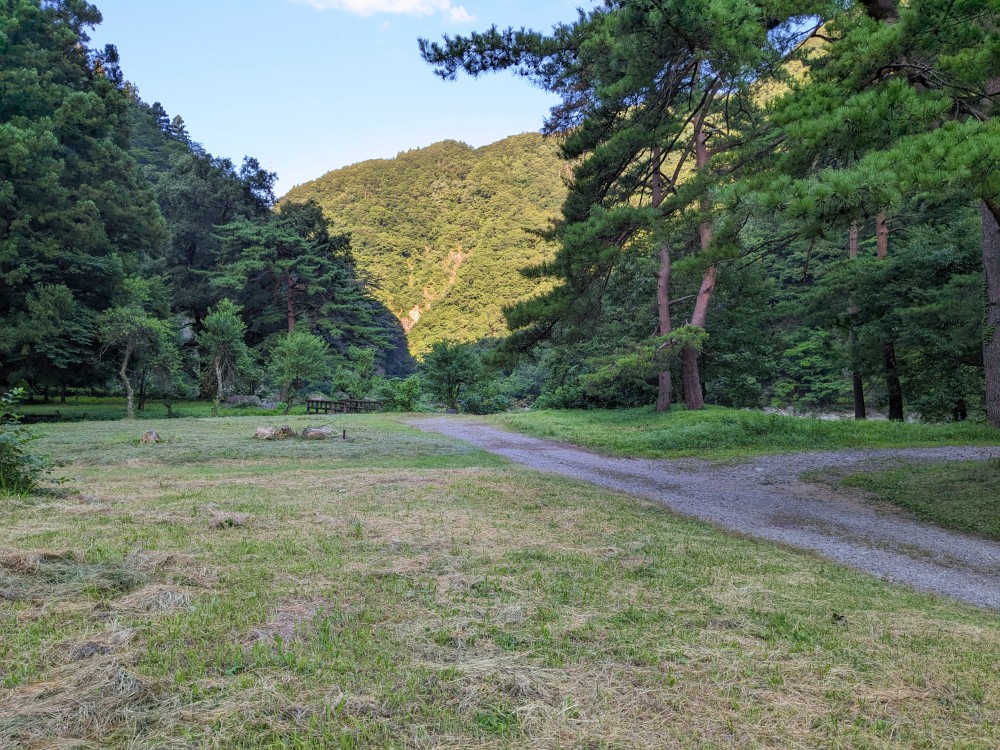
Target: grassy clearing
[(963, 495), (83, 409), (719, 433), (401, 590)]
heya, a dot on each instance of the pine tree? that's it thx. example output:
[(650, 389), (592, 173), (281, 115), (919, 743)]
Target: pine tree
[(651, 96), (290, 269), (897, 104), (75, 213)]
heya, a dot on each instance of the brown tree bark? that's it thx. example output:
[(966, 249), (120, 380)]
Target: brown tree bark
[(664, 385), (894, 388), (693, 395), (860, 410), (990, 209), (881, 236), (129, 393)]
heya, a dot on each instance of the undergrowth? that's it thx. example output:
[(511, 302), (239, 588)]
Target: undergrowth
[(21, 470)]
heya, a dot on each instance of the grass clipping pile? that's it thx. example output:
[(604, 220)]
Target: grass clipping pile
[(91, 689)]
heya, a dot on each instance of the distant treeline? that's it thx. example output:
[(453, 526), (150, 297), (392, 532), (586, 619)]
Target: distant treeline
[(119, 233)]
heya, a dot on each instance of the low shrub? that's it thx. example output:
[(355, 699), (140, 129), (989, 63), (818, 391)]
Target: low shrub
[(20, 470)]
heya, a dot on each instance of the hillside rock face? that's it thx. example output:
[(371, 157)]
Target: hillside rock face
[(442, 232)]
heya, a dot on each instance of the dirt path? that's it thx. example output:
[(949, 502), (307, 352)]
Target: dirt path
[(765, 499)]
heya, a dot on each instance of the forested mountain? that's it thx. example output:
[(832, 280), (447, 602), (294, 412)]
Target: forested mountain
[(442, 232), (119, 235)]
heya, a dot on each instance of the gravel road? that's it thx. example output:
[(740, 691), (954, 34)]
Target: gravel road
[(764, 498)]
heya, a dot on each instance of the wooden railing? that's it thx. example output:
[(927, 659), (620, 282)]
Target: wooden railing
[(342, 406)]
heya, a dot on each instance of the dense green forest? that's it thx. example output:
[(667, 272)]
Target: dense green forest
[(122, 239), (784, 202), (738, 203), (443, 231)]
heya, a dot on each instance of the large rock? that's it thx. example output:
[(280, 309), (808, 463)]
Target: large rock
[(317, 433), (274, 433)]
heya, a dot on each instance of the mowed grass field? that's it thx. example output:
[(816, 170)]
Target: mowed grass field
[(721, 433), (400, 590), (963, 495)]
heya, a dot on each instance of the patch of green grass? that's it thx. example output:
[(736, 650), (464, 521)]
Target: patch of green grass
[(720, 433), (85, 408), (404, 590), (963, 495), (380, 440)]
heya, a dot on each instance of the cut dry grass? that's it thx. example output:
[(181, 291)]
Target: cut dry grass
[(403, 591)]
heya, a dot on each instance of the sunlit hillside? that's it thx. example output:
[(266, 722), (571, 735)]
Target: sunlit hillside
[(443, 231)]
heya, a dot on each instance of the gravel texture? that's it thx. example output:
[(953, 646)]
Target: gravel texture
[(765, 498)]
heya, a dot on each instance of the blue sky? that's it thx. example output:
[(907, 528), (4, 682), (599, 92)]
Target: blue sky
[(308, 86)]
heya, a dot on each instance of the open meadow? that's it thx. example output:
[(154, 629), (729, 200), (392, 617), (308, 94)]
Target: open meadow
[(400, 589), (720, 433)]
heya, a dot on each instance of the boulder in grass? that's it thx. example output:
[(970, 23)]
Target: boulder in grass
[(151, 438), (274, 433), (317, 433)]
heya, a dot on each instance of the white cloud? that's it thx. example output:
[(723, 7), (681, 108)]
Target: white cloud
[(454, 13), (459, 14)]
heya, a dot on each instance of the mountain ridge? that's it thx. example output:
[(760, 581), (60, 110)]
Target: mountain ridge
[(442, 231)]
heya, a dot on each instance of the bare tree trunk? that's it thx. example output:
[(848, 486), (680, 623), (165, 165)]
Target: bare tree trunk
[(893, 387), (218, 387), (693, 394), (860, 410), (663, 306), (129, 394), (881, 236), (991, 346), (664, 386), (143, 383)]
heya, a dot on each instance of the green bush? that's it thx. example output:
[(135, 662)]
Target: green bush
[(399, 394), (485, 399), (20, 471)]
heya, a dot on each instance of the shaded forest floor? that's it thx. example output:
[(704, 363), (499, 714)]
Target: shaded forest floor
[(401, 589)]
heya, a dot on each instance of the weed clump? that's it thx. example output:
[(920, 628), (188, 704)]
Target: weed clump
[(21, 471)]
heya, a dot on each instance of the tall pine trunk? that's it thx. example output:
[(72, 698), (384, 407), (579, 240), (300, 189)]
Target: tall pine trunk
[(663, 306), (664, 385), (693, 395), (991, 345), (860, 411), (218, 387), (893, 387)]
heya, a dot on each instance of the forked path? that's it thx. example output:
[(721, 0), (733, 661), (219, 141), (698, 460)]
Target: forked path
[(764, 498)]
